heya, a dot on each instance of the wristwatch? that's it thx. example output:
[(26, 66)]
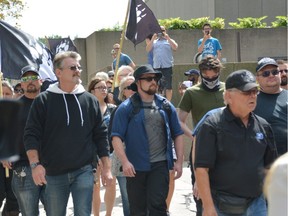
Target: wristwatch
[(34, 165)]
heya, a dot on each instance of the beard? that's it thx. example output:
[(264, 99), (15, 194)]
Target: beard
[(283, 81), (150, 91), (32, 89)]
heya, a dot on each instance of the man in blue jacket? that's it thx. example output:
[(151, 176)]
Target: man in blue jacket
[(148, 135)]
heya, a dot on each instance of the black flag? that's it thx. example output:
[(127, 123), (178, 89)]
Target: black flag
[(61, 44), (141, 22), (18, 49)]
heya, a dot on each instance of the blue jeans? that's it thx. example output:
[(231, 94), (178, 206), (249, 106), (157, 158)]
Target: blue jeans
[(26, 192), (257, 208), (58, 188), (124, 196)]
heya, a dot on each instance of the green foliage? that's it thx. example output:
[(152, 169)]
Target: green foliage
[(11, 9), (174, 23), (281, 21), (249, 22), (196, 23)]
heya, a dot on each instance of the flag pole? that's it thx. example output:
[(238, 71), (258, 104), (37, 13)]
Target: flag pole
[(121, 44), (1, 95)]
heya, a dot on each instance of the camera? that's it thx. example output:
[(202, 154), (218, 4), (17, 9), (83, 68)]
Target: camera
[(160, 34), (207, 32)]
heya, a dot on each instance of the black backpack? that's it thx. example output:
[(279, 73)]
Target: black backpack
[(137, 106)]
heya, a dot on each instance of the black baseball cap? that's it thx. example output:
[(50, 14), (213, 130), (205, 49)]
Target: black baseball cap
[(264, 62), (29, 68), (243, 80)]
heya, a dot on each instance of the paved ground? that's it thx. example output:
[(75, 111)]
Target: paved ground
[(182, 203)]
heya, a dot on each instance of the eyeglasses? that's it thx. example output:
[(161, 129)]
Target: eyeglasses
[(149, 79), (207, 29), (284, 70), (267, 73), (127, 87), (74, 68), (29, 78), (101, 88)]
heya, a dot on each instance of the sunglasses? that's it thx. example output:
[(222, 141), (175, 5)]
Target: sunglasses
[(74, 68), (149, 79), (29, 78), (267, 73), (282, 71), (19, 91)]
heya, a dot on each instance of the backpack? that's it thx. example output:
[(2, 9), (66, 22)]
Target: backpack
[(137, 106)]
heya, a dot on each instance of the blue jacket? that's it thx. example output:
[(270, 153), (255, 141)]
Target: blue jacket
[(131, 130)]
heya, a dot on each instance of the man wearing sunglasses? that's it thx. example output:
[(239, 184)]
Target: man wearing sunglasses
[(27, 193), (233, 148), (64, 131), (148, 137), (272, 101)]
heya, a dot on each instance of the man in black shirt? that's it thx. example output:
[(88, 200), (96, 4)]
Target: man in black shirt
[(233, 147), (26, 192)]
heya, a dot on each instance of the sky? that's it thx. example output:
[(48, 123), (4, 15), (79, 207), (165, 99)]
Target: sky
[(70, 17)]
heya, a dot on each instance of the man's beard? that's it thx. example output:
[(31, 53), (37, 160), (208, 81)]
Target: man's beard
[(32, 90), (283, 81), (150, 91)]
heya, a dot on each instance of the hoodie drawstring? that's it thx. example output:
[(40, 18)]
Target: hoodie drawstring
[(67, 111), (80, 110)]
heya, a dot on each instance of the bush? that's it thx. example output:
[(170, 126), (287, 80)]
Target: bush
[(281, 21), (249, 22)]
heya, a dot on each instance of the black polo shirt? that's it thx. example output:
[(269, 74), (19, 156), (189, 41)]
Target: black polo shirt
[(235, 155)]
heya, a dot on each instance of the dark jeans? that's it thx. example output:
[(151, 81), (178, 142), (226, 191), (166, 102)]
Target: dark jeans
[(198, 202), (6, 191), (147, 191)]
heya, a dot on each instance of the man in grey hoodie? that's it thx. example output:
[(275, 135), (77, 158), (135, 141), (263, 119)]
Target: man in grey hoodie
[(64, 131)]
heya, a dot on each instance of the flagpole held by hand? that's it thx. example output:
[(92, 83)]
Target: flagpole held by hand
[(1, 95)]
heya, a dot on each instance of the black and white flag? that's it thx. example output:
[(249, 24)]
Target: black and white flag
[(141, 22), (18, 49), (61, 45)]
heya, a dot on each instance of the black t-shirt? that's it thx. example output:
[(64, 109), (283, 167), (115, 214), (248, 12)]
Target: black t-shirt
[(235, 155), (23, 160), (273, 108)]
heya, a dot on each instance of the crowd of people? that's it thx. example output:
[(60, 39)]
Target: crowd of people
[(125, 128)]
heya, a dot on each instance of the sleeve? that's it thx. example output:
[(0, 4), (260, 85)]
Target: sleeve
[(185, 103), (175, 123), (33, 131), (199, 42), (271, 150), (100, 133), (120, 121), (218, 45), (128, 60), (206, 146)]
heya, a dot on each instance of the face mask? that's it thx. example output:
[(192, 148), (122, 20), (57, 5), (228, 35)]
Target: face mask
[(211, 83)]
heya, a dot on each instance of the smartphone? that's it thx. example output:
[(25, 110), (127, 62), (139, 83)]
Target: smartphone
[(207, 32)]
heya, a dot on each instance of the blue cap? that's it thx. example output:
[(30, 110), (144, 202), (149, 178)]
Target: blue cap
[(192, 71)]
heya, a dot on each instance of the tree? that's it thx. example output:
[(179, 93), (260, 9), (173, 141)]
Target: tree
[(11, 9)]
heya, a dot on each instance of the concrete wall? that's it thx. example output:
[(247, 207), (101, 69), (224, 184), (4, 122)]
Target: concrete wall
[(238, 46), (230, 10)]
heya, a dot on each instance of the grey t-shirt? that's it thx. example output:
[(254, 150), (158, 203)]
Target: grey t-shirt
[(155, 129)]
